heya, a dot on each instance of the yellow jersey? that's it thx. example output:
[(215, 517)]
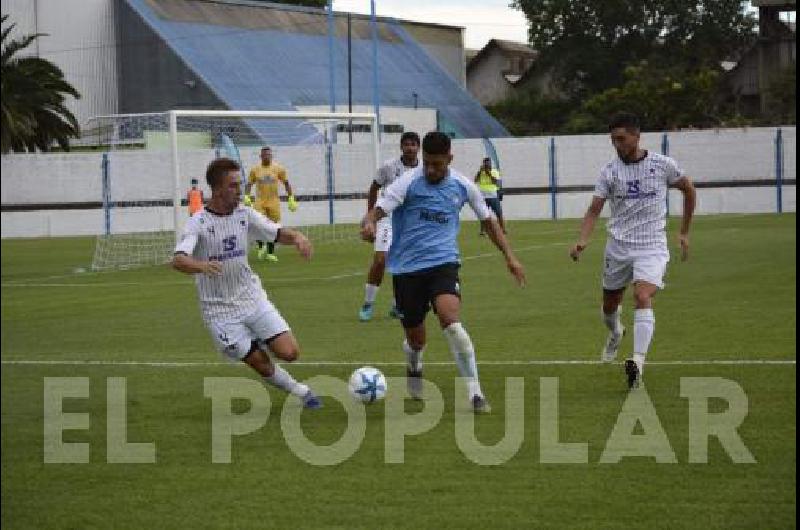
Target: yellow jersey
[(266, 180)]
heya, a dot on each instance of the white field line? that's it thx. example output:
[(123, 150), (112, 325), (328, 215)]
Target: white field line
[(267, 281)]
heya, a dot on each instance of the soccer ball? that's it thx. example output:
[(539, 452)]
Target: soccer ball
[(367, 384)]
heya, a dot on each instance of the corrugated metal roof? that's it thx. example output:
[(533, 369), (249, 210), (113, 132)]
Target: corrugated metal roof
[(270, 59)]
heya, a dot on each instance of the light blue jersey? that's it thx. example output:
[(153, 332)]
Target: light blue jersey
[(425, 219)]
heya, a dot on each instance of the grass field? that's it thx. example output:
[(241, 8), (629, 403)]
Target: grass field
[(733, 301)]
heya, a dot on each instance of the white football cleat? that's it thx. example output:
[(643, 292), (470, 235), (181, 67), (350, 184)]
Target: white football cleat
[(612, 345)]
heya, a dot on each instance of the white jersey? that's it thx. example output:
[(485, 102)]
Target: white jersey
[(390, 171), (237, 291), (637, 195)]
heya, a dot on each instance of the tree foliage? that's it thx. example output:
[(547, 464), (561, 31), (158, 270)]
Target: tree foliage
[(33, 94)]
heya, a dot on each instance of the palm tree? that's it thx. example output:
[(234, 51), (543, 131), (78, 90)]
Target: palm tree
[(33, 91)]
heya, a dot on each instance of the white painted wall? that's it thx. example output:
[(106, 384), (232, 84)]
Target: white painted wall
[(708, 156), (81, 40)]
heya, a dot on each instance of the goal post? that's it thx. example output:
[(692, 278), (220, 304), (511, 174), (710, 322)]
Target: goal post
[(150, 158)]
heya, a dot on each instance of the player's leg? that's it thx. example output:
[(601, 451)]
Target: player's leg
[(617, 274), (273, 334), (648, 278), (374, 280), (273, 213), (413, 304), (444, 291)]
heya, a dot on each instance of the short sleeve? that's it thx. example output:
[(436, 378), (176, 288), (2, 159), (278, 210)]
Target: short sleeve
[(282, 175), (189, 238), (602, 188), (262, 228), (395, 194), (382, 176), (252, 177), (673, 172)]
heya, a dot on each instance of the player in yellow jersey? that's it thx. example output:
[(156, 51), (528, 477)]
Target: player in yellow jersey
[(266, 177)]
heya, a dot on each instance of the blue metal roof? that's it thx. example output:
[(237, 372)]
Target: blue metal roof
[(271, 69)]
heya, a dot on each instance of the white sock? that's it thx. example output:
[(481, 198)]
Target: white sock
[(611, 320), (464, 355), (280, 378), (370, 292), (644, 323), (413, 357)]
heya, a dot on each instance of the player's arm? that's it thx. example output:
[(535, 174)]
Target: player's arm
[(288, 236), (393, 196), (686, 187), (490, 225), (184, 263), (251, 178), (291, 201), (492, 228), (587, 226), (372, 195)]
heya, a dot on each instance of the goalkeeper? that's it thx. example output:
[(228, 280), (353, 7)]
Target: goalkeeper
[(266, 176)]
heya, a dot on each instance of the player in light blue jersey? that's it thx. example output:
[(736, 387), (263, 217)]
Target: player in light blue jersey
[(424, 259)]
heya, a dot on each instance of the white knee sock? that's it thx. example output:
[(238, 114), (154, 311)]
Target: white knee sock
[(644, 323), (413, 357), (280, 378), (611, 320), (370, 292), (464, 355)]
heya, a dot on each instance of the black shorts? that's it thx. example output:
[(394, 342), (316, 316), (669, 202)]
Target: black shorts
[(414, 292)]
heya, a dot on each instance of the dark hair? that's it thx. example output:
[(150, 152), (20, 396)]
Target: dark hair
[(266, 148), (193, 182), (436, 143), (624, 119), (409, 135), (219, 168), (487, 159)]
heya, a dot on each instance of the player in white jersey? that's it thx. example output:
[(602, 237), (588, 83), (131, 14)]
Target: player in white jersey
[(387, 173), (242, 321), (635, 184)]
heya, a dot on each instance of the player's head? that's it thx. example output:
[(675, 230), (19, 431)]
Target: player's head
[(409, 145), (436, 156), (266, 155), (194, 183), (224, 177), (624, 129), (487, 163)]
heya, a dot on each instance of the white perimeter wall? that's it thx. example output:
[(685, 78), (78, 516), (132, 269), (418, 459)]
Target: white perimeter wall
[(723, 157)]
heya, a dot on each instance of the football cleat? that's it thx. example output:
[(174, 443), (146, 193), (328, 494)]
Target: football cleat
[(365, 314), (632, 374), (480, 405), (310, 401), (612, 345), (414, 383)]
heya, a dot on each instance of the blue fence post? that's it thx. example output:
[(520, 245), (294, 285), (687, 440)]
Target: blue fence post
[(553, 179), (376, 92), (779, 168), (105, 167), (331, 58), (329, 170), (665, 152)]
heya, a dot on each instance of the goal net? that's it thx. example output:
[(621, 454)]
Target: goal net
[(149, 161)]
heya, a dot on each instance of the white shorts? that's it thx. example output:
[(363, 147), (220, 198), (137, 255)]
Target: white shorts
[(234, 339), (622, 266), (383, 235)]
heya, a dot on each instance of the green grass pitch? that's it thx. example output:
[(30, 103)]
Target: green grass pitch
[(734, 300)]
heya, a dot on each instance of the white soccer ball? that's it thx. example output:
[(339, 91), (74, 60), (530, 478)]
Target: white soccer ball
[(367, 384)]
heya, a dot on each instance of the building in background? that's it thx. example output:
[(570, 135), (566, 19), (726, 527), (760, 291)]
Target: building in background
[(774, 51), (494, 71), (134, 56)]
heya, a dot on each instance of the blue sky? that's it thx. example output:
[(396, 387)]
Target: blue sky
[(483, 19)]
